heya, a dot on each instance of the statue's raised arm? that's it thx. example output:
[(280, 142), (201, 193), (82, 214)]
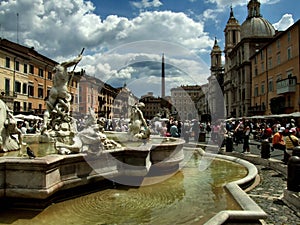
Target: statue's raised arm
[(72, 62)]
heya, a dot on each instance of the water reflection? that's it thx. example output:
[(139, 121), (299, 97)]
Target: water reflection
[(189, 197)]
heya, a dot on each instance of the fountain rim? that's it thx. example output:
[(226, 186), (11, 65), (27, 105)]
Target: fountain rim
[(250, 210)]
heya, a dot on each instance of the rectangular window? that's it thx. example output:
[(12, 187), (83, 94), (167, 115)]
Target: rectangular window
[(289, 74), (49, 75), (17, 66), (271, 85), (7, 86), (263, 88), (41, 73), (18, 87), (256, 91), (278, 78), (24, 88), (278, 43), (30, 90), (29, 106), (262, 67), (40, 92), (7, 62), (270, 63), (31, 69), (48, 91), (289, 36), (289, 53), (278, 59), (233, 37), (269, 50), (261, 55), (255, 71), (25, 68), (24, 106)]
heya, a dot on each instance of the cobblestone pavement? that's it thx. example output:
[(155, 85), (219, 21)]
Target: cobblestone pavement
[(269, 192), (268, 195)]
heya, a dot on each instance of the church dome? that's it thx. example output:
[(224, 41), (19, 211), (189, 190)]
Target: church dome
[(257, 27)]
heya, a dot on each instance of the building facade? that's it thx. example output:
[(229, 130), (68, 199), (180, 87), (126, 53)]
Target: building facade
[(27, 77), (241, 42), (185, 100), (275, 77), (152, 105)]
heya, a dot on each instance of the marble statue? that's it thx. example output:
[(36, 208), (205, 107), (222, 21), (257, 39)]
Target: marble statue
[(58, 102), (90, 139), (8, 130), (138, 127)]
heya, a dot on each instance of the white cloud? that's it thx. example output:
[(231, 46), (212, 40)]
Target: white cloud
[(285, 22), (226, 3), (146, 4), (125, 73), (60, 29)]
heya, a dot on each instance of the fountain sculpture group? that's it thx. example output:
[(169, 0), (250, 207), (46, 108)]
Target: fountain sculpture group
[(59, 126), (84, 156)]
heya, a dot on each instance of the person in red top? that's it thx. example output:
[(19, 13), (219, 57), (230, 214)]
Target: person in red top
[(268, 133)]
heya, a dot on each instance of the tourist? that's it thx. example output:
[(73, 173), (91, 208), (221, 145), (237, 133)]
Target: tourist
[(278, 139), (246, 146), (291, 141), (169, 123), (23, 128), (163, 131), (278, 142), (238, 132), (174, 129)]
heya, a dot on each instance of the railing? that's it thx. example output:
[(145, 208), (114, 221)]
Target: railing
[(286, 85), (257, 108)]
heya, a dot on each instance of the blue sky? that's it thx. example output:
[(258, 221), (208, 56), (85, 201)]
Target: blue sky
[(120, 37)]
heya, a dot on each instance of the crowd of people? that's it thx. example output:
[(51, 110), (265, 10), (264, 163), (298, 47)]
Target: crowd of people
[(283, 134)]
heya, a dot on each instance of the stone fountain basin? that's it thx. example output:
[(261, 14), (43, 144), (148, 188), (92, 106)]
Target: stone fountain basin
[(40, 178)]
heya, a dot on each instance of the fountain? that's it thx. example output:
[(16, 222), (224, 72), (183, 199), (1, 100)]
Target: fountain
[(115, 162), (84, 156)]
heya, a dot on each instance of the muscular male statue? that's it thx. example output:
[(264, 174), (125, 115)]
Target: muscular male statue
[(59, 91)]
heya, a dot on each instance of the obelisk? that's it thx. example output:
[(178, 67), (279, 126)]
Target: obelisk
[(163, 90)]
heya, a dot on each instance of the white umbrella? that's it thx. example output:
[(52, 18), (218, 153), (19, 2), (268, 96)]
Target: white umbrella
[(163, 119), (295, 114), (257, 117), (19, 116), (32, 117)]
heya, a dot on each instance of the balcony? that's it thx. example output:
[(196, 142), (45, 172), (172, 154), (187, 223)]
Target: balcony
[(286, 85), (258, 109)]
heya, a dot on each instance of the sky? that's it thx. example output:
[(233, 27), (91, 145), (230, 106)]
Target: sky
[(124, 41)]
